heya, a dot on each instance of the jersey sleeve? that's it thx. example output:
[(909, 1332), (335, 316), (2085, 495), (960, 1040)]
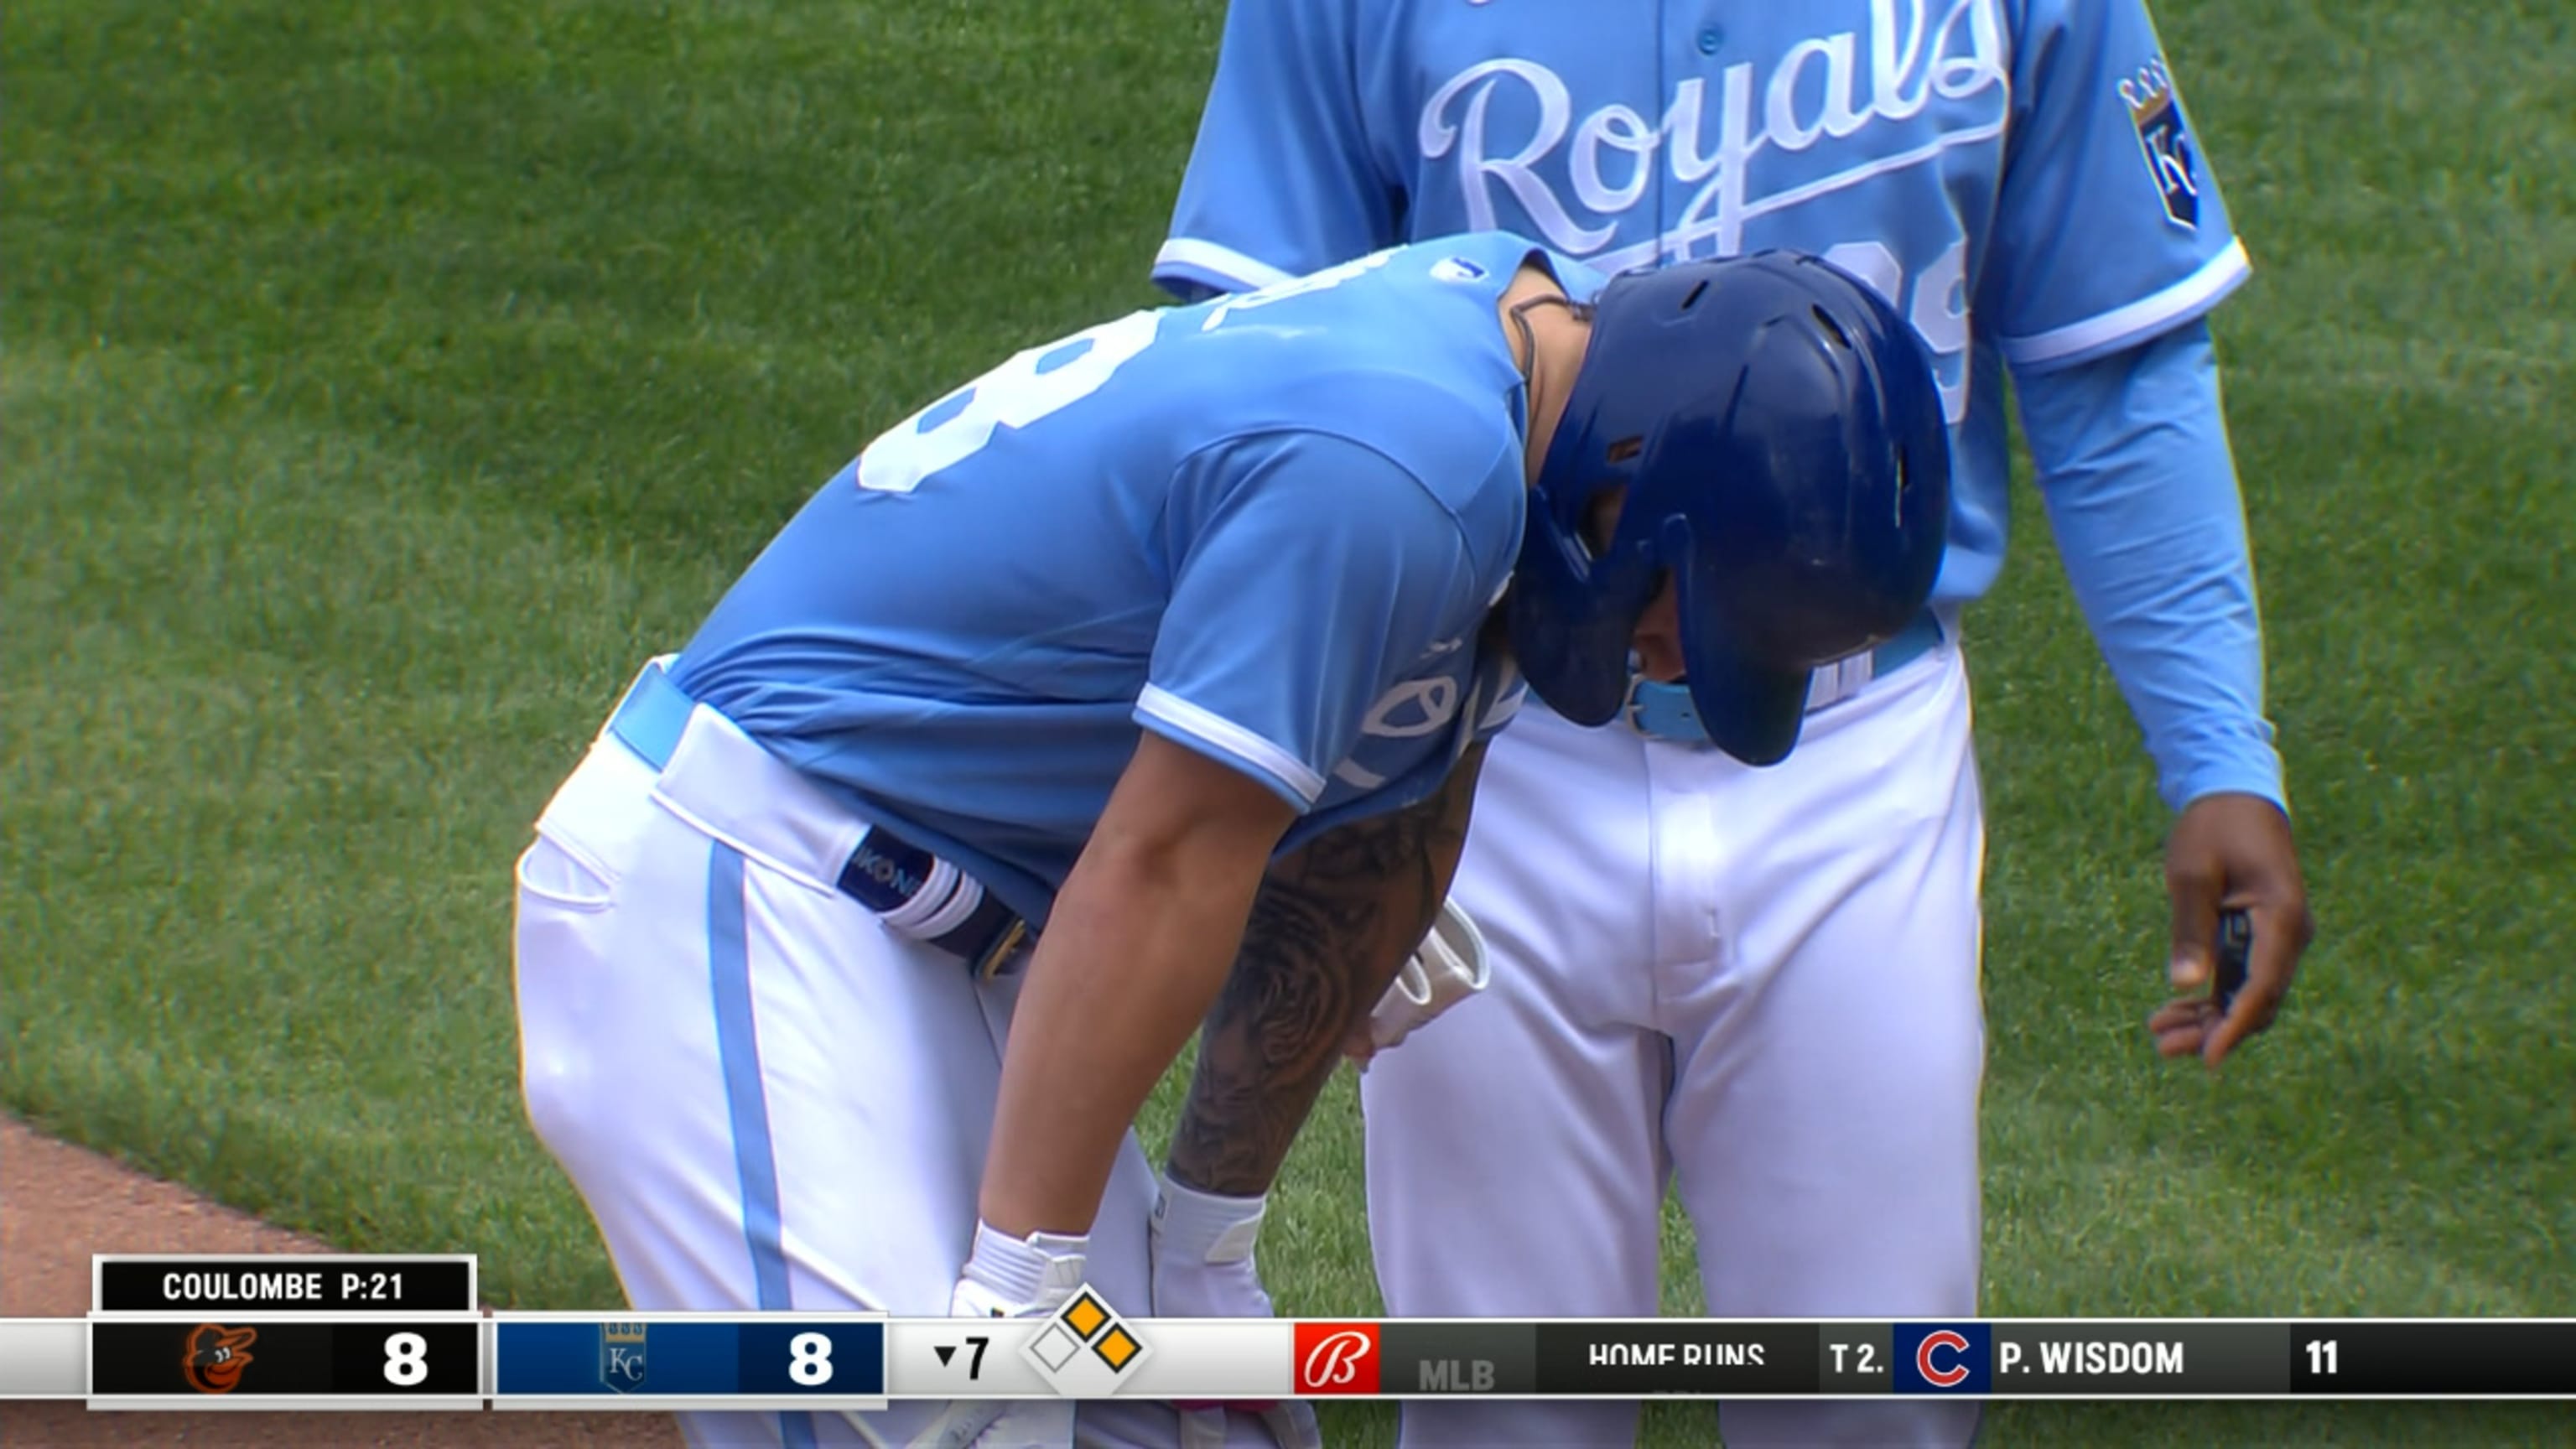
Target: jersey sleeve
[(2109, 224), (1310, 574), (2141, 489), (1282, 180)]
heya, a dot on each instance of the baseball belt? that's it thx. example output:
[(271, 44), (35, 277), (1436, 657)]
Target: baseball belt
[(918, 895)]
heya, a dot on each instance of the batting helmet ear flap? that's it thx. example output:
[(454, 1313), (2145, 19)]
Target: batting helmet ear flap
[(1569, 629), (1750, 709)]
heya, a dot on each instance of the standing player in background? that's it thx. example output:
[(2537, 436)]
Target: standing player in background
[(1176, 643), (1763, 983)]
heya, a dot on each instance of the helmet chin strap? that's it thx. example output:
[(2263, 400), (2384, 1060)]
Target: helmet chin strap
[(1579, 311)]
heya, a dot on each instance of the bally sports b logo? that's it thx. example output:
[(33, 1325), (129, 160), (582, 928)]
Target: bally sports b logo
[(1944, 1358), (1337, 1358)]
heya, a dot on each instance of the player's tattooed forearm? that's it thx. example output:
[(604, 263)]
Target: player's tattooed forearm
[(1274, 1035), (1268, 1046), (1327, 932)]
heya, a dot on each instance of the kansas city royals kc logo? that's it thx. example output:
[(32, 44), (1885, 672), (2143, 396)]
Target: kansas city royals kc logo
[(621, 1356), (2163, 140)]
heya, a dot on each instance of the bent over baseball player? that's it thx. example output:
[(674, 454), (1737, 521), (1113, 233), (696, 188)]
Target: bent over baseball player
[(1173, 647), (1760, 987)]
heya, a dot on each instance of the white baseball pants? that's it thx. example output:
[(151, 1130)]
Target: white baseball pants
[(768, 1100), (1760, 985)]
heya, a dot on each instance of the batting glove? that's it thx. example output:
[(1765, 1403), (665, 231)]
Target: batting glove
[(1009, 1277), (1202, 1266), (1448, 967)]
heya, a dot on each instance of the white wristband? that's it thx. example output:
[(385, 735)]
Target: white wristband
[(1037, 1271), (1205, 1227)]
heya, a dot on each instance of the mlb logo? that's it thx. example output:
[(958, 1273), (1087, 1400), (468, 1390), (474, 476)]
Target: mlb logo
[(621, 1356), (2165, 143), (1944, 1358)]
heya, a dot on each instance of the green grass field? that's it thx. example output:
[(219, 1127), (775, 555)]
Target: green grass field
[(382, 382)]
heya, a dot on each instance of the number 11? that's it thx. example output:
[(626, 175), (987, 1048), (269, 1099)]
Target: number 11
[(2321, 1356)]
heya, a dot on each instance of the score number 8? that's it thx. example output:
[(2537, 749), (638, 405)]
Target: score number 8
[(809, 1360), (406, 1359)]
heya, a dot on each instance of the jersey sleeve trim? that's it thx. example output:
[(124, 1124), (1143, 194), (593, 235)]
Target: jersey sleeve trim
[(1276, 767), (2143, 318), (1224, 268)]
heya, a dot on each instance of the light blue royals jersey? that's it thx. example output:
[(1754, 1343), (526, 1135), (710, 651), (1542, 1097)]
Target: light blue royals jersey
[(2015, 175), (1268, 527)]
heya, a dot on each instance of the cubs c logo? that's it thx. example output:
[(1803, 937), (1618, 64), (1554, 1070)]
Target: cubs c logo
[(216, 1357), (1337, 1358), (1942, 1358), (1949, 1342)]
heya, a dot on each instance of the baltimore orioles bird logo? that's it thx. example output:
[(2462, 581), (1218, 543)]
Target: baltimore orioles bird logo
[(216, 1357)]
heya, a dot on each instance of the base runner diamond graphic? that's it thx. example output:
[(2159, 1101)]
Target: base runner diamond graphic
[(1086, 1350)]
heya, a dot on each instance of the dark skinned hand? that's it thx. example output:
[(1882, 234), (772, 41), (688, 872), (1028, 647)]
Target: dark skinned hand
[(2230, 852)]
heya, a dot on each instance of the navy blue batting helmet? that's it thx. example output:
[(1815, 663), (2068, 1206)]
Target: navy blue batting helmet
[(1778, 429)]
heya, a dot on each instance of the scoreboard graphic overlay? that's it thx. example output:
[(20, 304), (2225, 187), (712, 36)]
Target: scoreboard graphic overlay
[(408, 1333), (285, 1332), (671, 1361)]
